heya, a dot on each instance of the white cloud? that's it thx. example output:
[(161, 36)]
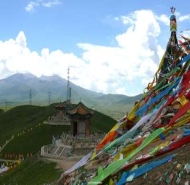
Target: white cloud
[(16, 57), (30, 7), (164, 19), (45, 3), (126, 19), (184, 18), (125, 68), (185, 33), (136, 57), (51, 3)]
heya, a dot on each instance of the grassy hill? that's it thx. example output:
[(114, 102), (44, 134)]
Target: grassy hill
[(25, 123), (32, 172)]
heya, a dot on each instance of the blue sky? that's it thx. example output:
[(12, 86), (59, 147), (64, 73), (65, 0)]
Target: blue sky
[(110, 46)]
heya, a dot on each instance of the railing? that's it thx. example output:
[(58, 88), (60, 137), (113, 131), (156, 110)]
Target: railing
[(81, 141), (68, 145)]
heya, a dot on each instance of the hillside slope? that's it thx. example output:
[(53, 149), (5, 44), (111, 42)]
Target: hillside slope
[(26, 124)]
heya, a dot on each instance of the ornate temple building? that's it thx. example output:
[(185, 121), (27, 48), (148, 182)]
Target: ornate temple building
[(80, 117), (77, 116), (78, 140)]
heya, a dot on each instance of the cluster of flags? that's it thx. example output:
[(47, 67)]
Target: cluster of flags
[(158, 124), (13, 156)]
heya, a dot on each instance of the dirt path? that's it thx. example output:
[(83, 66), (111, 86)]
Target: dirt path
[(64, 164)]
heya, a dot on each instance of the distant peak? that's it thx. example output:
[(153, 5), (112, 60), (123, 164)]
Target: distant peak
[(22, 76), (53, 77)]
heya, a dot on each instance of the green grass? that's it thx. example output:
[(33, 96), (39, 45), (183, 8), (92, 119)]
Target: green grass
[(1, 111), (31, 142), (100, 122), (25, 123), (21, 118), (116, 111), (32, 172)]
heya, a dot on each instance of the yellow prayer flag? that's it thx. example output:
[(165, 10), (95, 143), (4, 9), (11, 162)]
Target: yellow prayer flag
[(111, 182)]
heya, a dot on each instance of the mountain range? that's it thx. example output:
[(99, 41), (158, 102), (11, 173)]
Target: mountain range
[(20, 89)]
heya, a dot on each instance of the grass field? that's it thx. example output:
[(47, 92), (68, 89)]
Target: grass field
[(26, 124), (32, 172), (30, 134)]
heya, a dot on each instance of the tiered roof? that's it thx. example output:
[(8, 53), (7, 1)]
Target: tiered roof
[(81, 109)]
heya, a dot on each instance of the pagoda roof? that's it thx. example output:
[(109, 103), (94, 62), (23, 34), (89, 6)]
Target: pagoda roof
[(81, 109), (61, 105)]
